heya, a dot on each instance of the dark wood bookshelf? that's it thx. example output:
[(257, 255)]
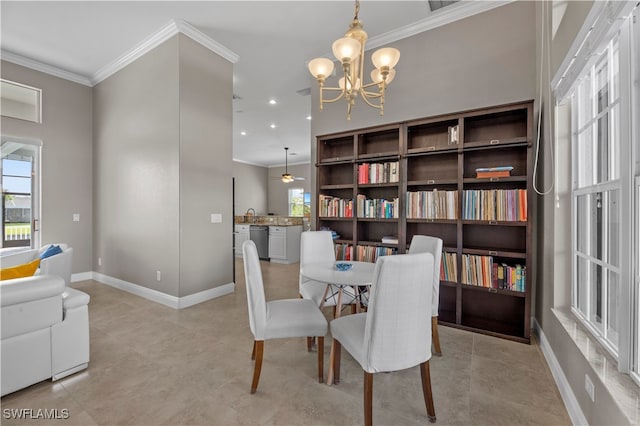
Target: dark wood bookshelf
[(442, 153)]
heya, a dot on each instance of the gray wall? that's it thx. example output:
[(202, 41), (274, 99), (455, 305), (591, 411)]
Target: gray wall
[(279, 191), (66, 135), (206, 143), (157, 124), (251, 188)]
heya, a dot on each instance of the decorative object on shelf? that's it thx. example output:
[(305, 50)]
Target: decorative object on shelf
[(489, 172), (349, 50), (344, 266), (286, 176)]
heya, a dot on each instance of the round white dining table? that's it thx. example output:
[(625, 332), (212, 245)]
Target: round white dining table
[(360, 274)]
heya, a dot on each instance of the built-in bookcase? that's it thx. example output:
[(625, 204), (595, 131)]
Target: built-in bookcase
[(425, 182)]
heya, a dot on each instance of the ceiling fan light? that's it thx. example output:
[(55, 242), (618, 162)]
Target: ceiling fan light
[(376, 76), (287, 178), (321, 67), (346, 48), (385, 57)]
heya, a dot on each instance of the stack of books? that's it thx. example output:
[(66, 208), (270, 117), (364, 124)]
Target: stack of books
[(390, 239), (489, 172)]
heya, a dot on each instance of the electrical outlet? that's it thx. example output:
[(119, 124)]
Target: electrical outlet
[(588, 386), (76, 217), (158, 275), (99, 261)]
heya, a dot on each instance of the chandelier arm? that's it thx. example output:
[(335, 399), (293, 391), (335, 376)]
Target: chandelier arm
[(340, 96), (374, 95)]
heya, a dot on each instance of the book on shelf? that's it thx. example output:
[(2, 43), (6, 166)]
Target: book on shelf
[(453, 135), (483, 271), (390, 239), (371, 253), (449, 267), (495, 204), (432, 205), (329, 206), (378, 208), (378, 172), (489, 172)]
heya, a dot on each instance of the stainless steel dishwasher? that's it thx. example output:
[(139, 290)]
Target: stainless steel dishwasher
[(260, 236)]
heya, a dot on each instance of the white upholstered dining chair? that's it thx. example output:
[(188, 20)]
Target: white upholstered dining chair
[(395, 333), (317, 247), (433, 245), (277, 318)]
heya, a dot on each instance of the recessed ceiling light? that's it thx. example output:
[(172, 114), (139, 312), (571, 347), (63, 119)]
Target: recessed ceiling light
[(308, 117), (243, 133), (272, 101), (273, 126)]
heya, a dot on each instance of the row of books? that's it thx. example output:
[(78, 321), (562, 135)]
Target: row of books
[(495, 204), (378, 172), (432, 205), (493, 172), (449, 267), (329, 206), (377, 207), (483, 271), (362, 253)]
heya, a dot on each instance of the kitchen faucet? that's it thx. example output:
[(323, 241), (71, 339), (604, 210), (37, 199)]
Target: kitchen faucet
[(253, 215)]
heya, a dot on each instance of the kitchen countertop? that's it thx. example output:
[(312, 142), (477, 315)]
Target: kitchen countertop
[(268, 220)]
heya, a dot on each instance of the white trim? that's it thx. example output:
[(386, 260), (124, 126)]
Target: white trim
[(272, 166), (45, 68), (249, 163), (598, 27), (199, 37), (203, 296), (81, 276), (157, 296), (170, 29), (442, 17), (569, 398)]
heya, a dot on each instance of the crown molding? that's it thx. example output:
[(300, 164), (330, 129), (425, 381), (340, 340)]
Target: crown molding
[(45, 68), (170, 29), (444, 16)]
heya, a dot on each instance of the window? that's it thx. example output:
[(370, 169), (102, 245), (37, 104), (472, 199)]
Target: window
[(19, 166), (299, 202), (605, 197), (596, 192), (20, 101)]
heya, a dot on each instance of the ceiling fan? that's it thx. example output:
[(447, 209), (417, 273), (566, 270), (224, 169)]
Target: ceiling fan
[(286, 176)]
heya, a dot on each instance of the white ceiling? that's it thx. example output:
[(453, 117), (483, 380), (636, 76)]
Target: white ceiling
[(273, 39)]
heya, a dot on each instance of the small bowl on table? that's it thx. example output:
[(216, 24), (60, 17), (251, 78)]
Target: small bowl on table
[(343, 266)]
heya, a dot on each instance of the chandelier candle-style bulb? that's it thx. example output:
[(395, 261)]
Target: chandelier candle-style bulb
[(349, 50)]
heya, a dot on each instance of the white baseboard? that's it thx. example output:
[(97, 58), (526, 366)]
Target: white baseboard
[(82, 276), (569, 398), (157, 296)]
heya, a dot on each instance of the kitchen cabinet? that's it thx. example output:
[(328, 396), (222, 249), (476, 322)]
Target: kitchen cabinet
[(284, 244), (242, 235)]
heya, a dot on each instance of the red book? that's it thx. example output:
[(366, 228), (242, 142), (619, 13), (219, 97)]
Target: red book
[(500, 173)]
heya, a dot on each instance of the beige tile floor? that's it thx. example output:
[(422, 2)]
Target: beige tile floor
[(153, 365)]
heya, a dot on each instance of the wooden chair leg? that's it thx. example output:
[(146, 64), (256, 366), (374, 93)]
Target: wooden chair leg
[(309, 344), (253, 351), (334, 362), (257, 368), (368, 399), (337, 354), (320, 359), (435, 337), (426, 390)]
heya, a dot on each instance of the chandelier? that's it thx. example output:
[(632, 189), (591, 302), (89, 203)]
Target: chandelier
[(349, 50)]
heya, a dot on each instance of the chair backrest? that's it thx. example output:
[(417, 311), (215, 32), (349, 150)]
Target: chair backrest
[(433, 245), (315, 247), (398, 326), (59, 264), (256, 300)]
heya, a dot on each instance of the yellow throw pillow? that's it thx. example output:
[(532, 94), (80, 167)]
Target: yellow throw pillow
[(20, 271)]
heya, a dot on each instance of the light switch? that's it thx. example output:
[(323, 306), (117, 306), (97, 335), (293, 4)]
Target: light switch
[(76, 217), (216, 218)]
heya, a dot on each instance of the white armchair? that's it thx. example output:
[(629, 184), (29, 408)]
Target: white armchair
[(317, 247), (277, 319), (395, 333), (433, 245)]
